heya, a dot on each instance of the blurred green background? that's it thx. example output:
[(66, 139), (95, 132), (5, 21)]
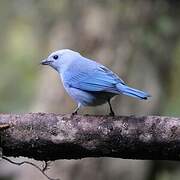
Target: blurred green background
[(138, 39)]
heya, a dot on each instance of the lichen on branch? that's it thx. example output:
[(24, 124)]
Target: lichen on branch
[(48, 136)]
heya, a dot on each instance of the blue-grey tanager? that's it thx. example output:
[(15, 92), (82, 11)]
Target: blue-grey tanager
[(89, 83)]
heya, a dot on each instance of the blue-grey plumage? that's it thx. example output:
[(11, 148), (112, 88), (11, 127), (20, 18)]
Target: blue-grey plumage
[(88, 82)]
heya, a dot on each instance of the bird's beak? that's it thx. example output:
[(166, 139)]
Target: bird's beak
[(45, 62)]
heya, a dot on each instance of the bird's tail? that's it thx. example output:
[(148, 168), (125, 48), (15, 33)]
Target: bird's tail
[(132, 92)]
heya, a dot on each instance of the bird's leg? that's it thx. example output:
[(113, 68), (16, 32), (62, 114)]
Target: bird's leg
[(111, 110), (76, 110)]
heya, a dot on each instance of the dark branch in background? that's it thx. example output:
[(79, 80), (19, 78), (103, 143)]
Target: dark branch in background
[(50, 137), (32, 164)]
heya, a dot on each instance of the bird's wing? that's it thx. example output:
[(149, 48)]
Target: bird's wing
[(95, 79)]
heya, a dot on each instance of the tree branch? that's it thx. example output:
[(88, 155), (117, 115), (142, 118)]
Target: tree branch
[(50, 137)]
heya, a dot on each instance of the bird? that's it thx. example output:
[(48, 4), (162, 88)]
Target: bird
[(88, 82)]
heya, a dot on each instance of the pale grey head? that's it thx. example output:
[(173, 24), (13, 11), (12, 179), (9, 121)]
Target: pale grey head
[(60, 59)]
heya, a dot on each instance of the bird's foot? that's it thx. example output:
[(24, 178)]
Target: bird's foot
[(111, 114), (76, 110), (74, 113)]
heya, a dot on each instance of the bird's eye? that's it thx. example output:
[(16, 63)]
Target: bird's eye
[(55, 57)]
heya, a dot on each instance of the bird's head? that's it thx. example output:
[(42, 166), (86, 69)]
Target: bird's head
[(60, 59)]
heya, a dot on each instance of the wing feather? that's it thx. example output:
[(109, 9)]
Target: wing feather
[(96, 79)]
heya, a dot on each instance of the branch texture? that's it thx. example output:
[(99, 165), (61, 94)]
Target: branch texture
[(50, 137)]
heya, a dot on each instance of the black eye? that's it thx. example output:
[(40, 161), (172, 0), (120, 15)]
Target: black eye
[(55, 57)]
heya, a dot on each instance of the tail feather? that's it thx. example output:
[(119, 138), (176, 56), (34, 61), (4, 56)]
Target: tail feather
[(132, 92)]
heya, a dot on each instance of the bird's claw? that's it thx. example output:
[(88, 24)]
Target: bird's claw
[(74, 113), (111, 114)]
